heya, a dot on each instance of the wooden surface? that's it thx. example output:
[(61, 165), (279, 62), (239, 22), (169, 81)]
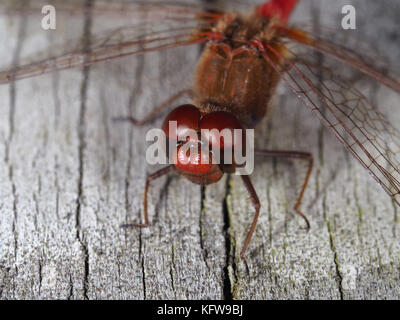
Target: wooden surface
[(70, 176)]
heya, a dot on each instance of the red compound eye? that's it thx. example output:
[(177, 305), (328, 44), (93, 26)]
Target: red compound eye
[(193, 161), (187, 117), (220, 120), (197, 165)]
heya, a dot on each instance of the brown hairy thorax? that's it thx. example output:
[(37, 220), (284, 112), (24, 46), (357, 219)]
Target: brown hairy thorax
[(231, 75)]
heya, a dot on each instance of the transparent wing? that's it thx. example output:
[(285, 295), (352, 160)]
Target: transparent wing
[(151, 33), (345, 111), (328, 44)]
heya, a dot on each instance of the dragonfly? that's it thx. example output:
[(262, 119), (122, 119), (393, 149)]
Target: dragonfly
[(244, 57)]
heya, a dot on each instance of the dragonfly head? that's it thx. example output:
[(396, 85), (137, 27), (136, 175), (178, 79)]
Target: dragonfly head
[(205, 142)]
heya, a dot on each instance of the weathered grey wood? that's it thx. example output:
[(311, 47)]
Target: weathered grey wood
[(69, 177)]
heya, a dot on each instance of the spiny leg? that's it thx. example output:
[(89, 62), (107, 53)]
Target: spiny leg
[(256, 203), (149, 178), (155, 113), (293, 155)]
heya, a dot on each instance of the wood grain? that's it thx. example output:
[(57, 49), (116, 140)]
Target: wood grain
[(70, 176)]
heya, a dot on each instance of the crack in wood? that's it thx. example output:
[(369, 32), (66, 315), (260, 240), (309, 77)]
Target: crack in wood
[(229, 249), (335, 259), (82, 146)]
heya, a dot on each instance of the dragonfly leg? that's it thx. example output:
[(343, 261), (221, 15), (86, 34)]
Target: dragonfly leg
[(293, 155), (155, 113), (256, 203), (149, 178)]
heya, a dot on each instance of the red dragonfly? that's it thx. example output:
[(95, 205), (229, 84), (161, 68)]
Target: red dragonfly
[(244, 58)]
